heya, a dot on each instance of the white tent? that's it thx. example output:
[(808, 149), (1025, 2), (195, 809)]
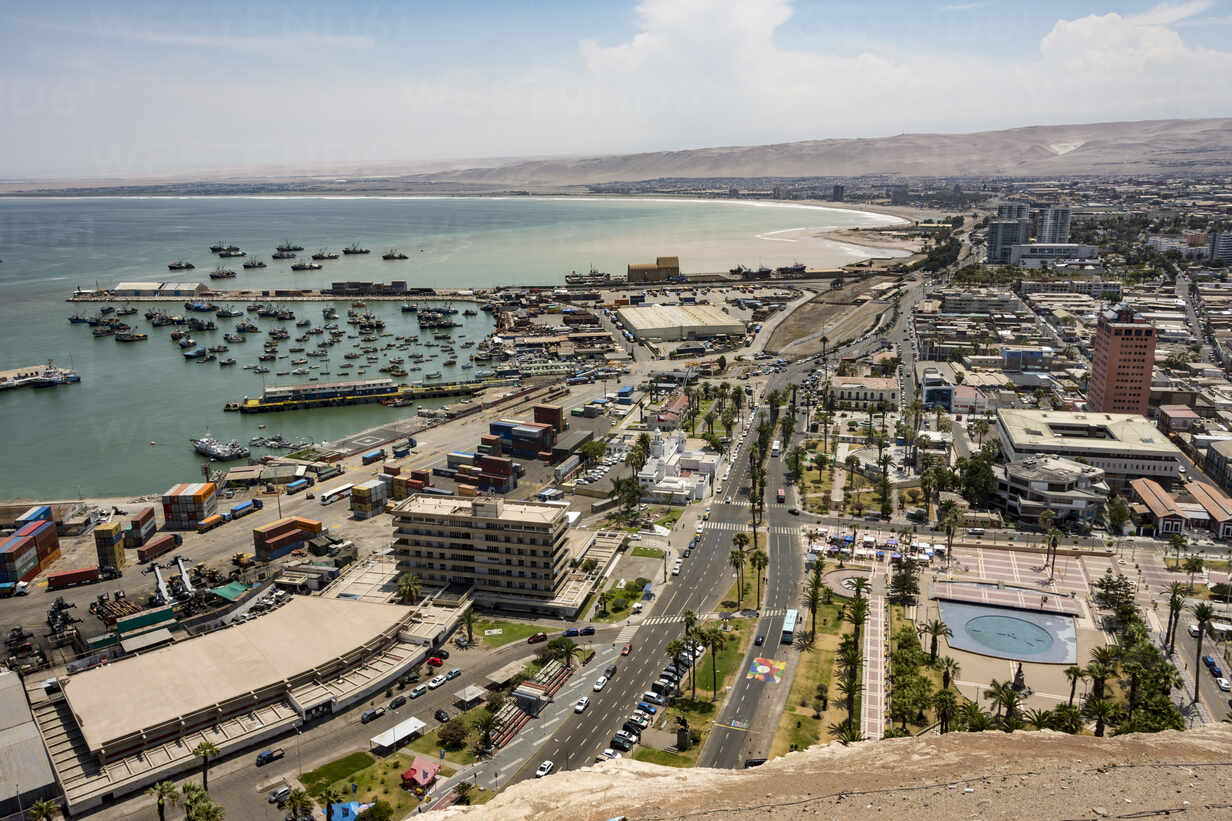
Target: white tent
[(396, 734)]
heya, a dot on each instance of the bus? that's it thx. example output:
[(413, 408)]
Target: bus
[(782, 496), (334, 494), (775, 448), (789, 627)]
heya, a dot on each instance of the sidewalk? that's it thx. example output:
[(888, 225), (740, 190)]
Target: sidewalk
[(873, 697)]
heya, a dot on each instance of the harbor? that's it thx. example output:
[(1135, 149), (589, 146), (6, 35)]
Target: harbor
[(37, 376)]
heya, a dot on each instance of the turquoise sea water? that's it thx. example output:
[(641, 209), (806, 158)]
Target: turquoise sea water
[(93, 438)]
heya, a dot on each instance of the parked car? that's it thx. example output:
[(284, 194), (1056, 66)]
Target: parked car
[(441, 715), (626, 650), (436, 681), (372, 715), (582, 704), (442, 653), (397, 702), (647, 708), (435, 661), (544, 768), (452, 674), (570, 633), (610, 671), (621, 743), (266, 756), (538, 637), (279, 795), (418, 691), (588, 630)]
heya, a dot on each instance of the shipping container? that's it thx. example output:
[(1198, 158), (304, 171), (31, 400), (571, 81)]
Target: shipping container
[(111, 555), (400, 452), (373, 456), (159, 546), (68, 578), (297, 486), (36, 513), (390, 469), (244, 508)]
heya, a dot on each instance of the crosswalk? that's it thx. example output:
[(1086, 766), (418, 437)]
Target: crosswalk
[(738, 527), (707, 617), (626, 635)]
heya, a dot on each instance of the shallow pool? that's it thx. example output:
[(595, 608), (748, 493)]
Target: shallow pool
[(1002, 632)]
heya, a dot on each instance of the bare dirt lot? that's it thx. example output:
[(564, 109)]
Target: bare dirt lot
[(831, 313)]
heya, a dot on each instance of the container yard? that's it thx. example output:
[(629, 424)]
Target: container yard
[(185, 506), (368, 499), (158, 546), (30, 550), (109, 544), (141, 527)]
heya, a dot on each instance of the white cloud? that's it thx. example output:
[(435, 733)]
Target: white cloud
[(1166, 14), (963, 6)]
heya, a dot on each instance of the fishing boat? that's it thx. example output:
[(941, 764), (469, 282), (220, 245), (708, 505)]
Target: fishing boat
[(181, 265), (218, 349), (255, 263), (127, 310), (469, 312), (393, 254), (306, 266), (287, 245), (221, 451), (131, 336), (78, 319), (283, 255), (354, 248), (227, 313), (325, 253), (232, 252), (225, 362), (102, 330), (234, 338), (222, 273)]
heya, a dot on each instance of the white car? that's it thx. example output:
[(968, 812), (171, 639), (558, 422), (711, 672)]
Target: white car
[(544, 768), (582, 704), (1223, 684), (609, 753), (600, 683), (436, 681)]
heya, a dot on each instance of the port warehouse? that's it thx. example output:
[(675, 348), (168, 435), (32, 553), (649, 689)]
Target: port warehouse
[(676, 322), (236, 687)]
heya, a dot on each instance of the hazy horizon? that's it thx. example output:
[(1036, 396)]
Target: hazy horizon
[(139, 90)]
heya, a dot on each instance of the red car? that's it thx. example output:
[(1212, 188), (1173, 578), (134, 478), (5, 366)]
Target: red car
[(435, 662), (538, 637), (626, 650)]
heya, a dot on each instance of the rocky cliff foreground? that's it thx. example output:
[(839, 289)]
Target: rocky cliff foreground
[(1036, 775)]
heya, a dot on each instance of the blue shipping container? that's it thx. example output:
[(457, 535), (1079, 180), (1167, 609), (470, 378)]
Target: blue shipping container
[(372, 456), (297, 486)]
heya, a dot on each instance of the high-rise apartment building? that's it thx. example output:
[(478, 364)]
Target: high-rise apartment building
[(1221, 247), (1054, 224), (505, 550), (1124, 358), (837, 194), (1014, 211), (1003, 234)]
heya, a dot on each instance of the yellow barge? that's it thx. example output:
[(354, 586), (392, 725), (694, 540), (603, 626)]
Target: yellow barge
[(335, 394)]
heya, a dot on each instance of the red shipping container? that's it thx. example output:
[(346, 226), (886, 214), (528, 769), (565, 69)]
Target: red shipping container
[(391, 470), (422, 475), (415, 484), (146, 514), (284, 540)]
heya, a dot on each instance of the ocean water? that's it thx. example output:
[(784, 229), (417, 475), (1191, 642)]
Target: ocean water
[(93, 438)]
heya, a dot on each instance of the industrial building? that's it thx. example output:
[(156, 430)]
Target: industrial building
[(661, 270), (127, 724), (1123, 445), (24, 769), (188, 289), (676, 322)]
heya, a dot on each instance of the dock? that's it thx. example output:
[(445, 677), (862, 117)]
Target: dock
[(37, 376), (300, 397)]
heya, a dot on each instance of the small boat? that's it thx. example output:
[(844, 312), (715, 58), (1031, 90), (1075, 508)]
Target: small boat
[(408, 308), (107, 309), (102, 330), (325, 254), (227, 313), (303, 323), (306, 266), (220, 246), (469, 312), (219, 349), (130, 336), (255, 263), (393, 254), (78, 319), (450, 362), (358, 304), (283, 255), (181, 265), (234, 338), (222, 273), (222, 363), (260, 370), (127, 310), (287, 245), (355, 249), (433, 375), (232, 252)]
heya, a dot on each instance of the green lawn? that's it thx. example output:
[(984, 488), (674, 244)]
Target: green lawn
[(382, 781), (511, 631), (667, 517), (315, 781), (648, 552), (701, 713), (661, 757), (430, 745)]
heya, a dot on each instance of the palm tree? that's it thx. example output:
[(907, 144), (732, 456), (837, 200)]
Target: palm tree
[(714, 639), (1176, 604), (981, 430), (1193, 564), (673, 649), (710, 418), (852, 463), (568, 652), (736, 559), (1067, 718), (857, 614), (850, 687), (950, 669), (935, 630), (997, 693), (205, 751), (192, 796), (330, 797), (43, 810), (409, 587), (1178, 544), (690, 630), (859, 585), (1099, 673), (485, 723), (1203, 613), (1102, 711), (604, 597), (1075, 674), (813, 600), (1039, 719), (759, 562), (299, 803), (208, 811), (468, 620), (164, 793), (973, 718), (945, 703)]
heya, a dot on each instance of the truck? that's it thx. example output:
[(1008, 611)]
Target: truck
[(244, 508), (82, 575), (14, 589), (297, 486), (776, 448), (158, 546), (267, 756), (371, 456), (209, 523)]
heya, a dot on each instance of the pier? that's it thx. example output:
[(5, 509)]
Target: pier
[(37, 376)]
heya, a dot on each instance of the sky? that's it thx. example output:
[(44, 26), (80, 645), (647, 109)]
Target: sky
[(143, 89)]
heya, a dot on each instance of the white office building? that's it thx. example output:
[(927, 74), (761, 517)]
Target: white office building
[(1054, 224)]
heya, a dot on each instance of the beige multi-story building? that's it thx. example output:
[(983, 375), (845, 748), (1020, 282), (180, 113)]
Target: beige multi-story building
[(505, 550), (865, 391)]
